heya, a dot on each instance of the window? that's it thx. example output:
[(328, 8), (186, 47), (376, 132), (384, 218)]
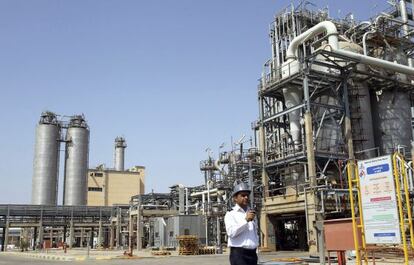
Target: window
[(186, 231), (94, 189), (171, 233), (99, 174)]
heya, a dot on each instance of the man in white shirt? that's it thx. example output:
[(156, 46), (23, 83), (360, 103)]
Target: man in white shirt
[(241, 227)]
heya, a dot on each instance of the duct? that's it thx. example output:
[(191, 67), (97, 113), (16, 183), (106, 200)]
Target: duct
[(293, 98), (330, 29)]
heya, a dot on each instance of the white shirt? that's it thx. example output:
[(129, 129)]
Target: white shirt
[(241, 233)]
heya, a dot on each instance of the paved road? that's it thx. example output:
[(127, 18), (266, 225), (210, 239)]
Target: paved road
[(177, 260), (199, 260), (171, 260)]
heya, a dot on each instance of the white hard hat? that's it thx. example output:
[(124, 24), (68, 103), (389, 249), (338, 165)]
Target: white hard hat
[(240, 187)]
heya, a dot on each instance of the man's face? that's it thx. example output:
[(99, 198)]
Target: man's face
[(242, 199)]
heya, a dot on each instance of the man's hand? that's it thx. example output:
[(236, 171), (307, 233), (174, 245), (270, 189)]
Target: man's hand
[(250, 216)]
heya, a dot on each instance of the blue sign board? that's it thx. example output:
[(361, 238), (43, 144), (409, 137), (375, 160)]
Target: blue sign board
[(378, 169)]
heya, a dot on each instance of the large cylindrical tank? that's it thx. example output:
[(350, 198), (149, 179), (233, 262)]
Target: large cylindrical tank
[(329, 134), (46, 160), (76, 162), (360, 106), (392, 120), (119, 160)]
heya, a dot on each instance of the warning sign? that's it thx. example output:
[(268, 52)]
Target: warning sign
[(379, 205)]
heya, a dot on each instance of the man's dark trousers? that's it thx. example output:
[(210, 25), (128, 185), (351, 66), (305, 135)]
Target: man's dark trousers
[(243, 256)]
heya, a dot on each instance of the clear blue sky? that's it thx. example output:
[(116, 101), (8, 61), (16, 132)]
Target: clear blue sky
[(172, 77)]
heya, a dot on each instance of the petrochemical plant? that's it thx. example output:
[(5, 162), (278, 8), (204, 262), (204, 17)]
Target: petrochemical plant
[(333, 91)]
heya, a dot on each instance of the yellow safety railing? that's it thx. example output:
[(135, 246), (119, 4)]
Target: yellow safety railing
[(353, 182), (400, 175)]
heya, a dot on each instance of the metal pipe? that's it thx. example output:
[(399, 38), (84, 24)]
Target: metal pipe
[(208, 192), (364, 41), (203, 203), (198, 193), (219, 248), (324, 26), (251, 197), (404, 17), (377, 62), (330, 28), (306, 213), (186, 201)]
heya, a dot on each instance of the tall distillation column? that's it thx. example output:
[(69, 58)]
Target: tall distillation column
[(76, 162), (46, 160), (119, 159)]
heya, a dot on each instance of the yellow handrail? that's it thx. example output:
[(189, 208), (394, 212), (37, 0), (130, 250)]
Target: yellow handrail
[(352, 171), (351, 199), (361, 214), (400, 206), (399, 171)]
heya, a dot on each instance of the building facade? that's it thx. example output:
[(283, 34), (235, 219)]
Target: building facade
[(107, 187)]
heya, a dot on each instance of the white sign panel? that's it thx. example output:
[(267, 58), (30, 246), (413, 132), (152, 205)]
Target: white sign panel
[(379, 202)]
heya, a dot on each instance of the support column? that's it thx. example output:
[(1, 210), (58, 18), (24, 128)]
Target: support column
[(150, 235), (130, 231), (41, 232), (118, 229), (2, 239), (92, 234), (321, 241), (348, 129), (264, 232), (264, 229), (117, 237), (311, 194), (111, 236), (219, 249), (82, 231), (71, 235), (100, 235), (139, 230), (34, 240), (64, 234), (51, 236), (6, 236)]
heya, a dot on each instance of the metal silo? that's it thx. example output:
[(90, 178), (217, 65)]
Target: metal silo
[(119, 161), (46, 160), (76, 162), (392, 120)]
